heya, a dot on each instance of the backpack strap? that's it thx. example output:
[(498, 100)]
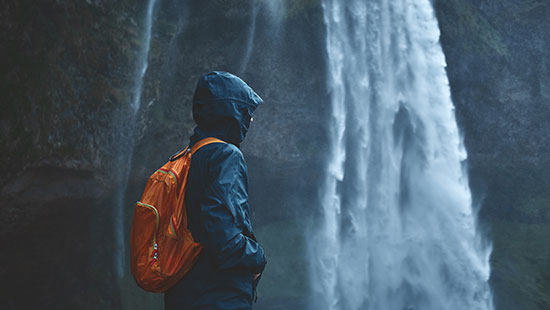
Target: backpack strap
[(204, 142), (196, 147), (189, 151)]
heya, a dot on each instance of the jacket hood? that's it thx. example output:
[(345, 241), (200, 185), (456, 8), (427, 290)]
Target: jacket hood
[(223, 105)]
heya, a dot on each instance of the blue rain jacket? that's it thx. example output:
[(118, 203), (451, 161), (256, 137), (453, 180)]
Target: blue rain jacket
[(217, 201)]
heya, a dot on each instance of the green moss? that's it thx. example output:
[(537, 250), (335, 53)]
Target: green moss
[(467, 25), (522, 11)]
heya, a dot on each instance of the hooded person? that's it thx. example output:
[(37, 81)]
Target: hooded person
[(227, 270)]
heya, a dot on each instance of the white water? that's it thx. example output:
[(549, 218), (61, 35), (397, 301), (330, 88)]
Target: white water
[(398, 231), (144, 57), (250, 41), (273, 12), (128, 146)]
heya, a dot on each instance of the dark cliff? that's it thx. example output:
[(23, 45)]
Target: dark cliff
[(66, 68), (498, 67), (68, 77)]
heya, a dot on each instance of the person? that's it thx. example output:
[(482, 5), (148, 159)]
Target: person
[(228, 269)]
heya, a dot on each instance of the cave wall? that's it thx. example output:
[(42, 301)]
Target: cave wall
[(498, 64), (68, 79), (68, 74), (65, 82)]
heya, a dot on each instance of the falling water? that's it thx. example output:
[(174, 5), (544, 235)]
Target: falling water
[(250, 41), (128, 146), (398, 231), (269, 12), (143, 57)]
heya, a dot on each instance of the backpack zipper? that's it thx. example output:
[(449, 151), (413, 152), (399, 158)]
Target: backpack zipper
[(155, 245)]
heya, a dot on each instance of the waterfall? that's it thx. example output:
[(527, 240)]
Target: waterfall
[(398, 228), (143, 57), (127, 147), (250, 41), (270, 13)]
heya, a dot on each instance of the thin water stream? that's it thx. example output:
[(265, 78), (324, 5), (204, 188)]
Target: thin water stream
[(126, 154)]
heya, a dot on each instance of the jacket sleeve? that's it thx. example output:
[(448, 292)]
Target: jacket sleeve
[(225, 202)]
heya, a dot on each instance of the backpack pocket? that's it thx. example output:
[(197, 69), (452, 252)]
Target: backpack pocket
[(144, 246)]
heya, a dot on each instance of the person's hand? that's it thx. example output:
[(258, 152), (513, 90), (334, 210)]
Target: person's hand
[(256, 276)]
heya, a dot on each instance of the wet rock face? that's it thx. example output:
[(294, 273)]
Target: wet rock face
[(498, 64), (52, 253), (285, 145), (67, 77), (64, 76), (65, 73)]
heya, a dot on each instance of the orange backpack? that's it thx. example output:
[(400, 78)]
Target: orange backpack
[(162, 248)]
